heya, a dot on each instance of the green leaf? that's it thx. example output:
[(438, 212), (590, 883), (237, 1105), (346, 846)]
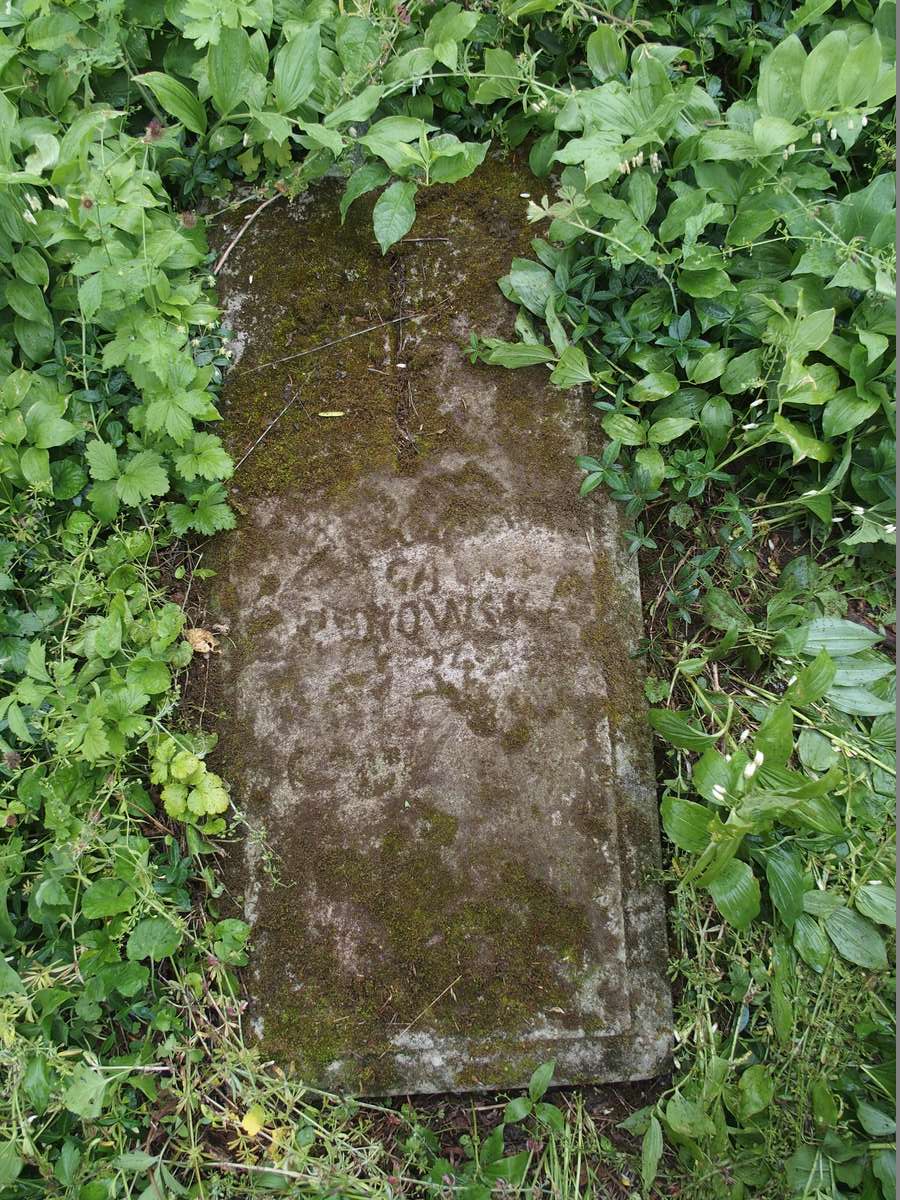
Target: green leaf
[(449, 26), (10, 982), (780, 73), (226, 62), (675, 728), (394, 214), (605, 53), (771, 133), (884, 1168), (451, 168), (810, 943), (876, 1123), (651, 1152), (572, 369), (27, 300), (668, 429), (686, 824), (10, 1164), (517, 1110), (143, 476), (655, 386), (365, 179), (297, 67), (710, 365), (154, 938), (845, 411), (856, 939), (756, 1090), (102, 460), (813, 681), (107, 898), (837, 636), (743, 373), (84, 1095), (540, 1079), (516, 354), (176, 100), (735, 891), (801, 441), (775, 737), (624, 429), (879, 903), (819, 82), (688, 1118), (784, 874), (859, 71), (716, 422)]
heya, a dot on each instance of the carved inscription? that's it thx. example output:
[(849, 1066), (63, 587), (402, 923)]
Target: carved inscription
[(419, 617)]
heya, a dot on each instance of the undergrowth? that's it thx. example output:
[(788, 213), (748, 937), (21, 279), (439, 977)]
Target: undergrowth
[(716, 264)]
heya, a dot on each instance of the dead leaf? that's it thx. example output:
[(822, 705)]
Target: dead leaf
[(201, 640)]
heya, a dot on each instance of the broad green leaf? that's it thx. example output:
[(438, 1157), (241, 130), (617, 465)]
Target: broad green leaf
[(856, 939), (655, 386), (813, 681), (859, 71), (226, 62), (735, 891), (453, 168), (175, 99), (743, 373), (154, 938), (675, 728), (876, 1122), (365, 179), (710, 365), (297, 67), (141, 477), (395, 213), (624, 429), (771, 133), (819, 82), (540, 1079), (801, 441), (688, 1118), (878, 902), (572, 369), (686, 824), (102, 460), (846, 411), (716, 422), (27, 300), (780, 73), (784, 874), (516, 354), (605, 54), (775, 738), (668, 429), (756, 1089), (84, 1095), (651, 1152), (107, 898), (837, 636), (810, 943)]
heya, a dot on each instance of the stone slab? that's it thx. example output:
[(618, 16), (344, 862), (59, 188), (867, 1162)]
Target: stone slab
[(430, 713)]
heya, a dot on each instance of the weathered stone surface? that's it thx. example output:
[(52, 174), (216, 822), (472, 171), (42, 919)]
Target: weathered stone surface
[(429, 703)]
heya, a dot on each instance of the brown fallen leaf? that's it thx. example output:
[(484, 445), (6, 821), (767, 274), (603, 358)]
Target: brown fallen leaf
[(201, 640)]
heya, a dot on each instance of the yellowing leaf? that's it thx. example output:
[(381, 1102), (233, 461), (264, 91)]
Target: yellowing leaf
[(254, 1120)]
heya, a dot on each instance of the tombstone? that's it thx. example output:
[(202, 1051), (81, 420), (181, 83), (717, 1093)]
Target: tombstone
[(430, 715)]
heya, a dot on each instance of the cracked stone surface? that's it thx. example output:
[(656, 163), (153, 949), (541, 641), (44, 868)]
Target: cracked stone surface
[(427, 704)]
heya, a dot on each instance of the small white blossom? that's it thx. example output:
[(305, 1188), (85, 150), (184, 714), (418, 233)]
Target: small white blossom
[(28, 217), (718, 791), (890, 529), (864, 122), (759, 758), (750, 770), (817, 138), (745, 733), (833, 133)]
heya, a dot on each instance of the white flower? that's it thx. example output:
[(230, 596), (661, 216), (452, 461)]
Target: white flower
[(750, 770), (864, 122), (744, 735), (751, 425), (33, 201), (29, 217), (890, 528), (833, 133), (718, 791), (793, 679), (57, 202), (759, 758), (857, 509), (817, 138)]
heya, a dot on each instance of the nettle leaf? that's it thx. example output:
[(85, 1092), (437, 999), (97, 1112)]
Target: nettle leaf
[(394, 214), (84, 1095), (107, 898)]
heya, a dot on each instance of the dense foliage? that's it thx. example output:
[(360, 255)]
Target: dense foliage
[(717, 263)]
